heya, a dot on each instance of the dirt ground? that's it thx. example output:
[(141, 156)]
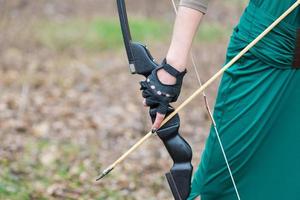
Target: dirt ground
[(67, 113)]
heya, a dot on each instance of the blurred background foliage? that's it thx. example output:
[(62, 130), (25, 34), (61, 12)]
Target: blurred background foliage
[(69, 107)]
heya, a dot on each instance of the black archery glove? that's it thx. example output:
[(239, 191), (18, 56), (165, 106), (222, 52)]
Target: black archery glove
[(159, 95)]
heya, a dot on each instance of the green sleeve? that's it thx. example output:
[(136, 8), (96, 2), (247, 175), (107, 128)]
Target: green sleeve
[(200, 5)]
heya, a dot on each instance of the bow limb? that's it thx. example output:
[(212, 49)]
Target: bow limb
[(203, 87)]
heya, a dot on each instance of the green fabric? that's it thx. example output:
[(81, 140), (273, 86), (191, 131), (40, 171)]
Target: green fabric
[(257, 113), (278, 47)]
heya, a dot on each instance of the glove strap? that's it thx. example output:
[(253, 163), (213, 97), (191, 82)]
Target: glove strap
[(171, 70)]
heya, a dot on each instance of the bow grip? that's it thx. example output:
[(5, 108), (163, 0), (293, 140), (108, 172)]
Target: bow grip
[(179, 177), (143, 63)]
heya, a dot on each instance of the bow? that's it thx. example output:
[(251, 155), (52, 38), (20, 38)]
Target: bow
[(141, 62), (138, 55)]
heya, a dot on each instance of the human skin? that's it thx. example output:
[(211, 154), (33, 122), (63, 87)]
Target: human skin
[(184, 31)]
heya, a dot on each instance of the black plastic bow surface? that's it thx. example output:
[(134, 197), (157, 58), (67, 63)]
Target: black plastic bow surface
[(141, 62)]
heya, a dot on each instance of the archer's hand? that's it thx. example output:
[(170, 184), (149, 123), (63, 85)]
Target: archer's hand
[(161, 88)]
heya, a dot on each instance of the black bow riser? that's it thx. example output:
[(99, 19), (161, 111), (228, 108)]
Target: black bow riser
[(179, 177)]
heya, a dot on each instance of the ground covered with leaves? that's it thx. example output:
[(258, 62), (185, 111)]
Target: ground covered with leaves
[(69, 107)]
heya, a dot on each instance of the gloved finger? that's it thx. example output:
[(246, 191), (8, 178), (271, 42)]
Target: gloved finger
[(143, 85), (146, 93), (162, 108), (151, 102), (158, 120)]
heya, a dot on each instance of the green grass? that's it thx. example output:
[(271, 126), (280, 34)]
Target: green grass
[(105, 34), (97, 34), (27, 176), (31, 172), (11, 187)]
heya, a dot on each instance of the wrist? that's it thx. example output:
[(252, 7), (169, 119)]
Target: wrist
[(165, 77), (168, 74), (177, 62)]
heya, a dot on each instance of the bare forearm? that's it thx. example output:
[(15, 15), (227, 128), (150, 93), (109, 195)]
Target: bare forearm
[(185, 28)]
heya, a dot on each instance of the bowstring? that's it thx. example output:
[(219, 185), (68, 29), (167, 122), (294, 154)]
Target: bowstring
[(208, 109)]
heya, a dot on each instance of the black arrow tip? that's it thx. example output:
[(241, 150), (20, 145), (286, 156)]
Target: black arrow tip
[(104, 173)]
